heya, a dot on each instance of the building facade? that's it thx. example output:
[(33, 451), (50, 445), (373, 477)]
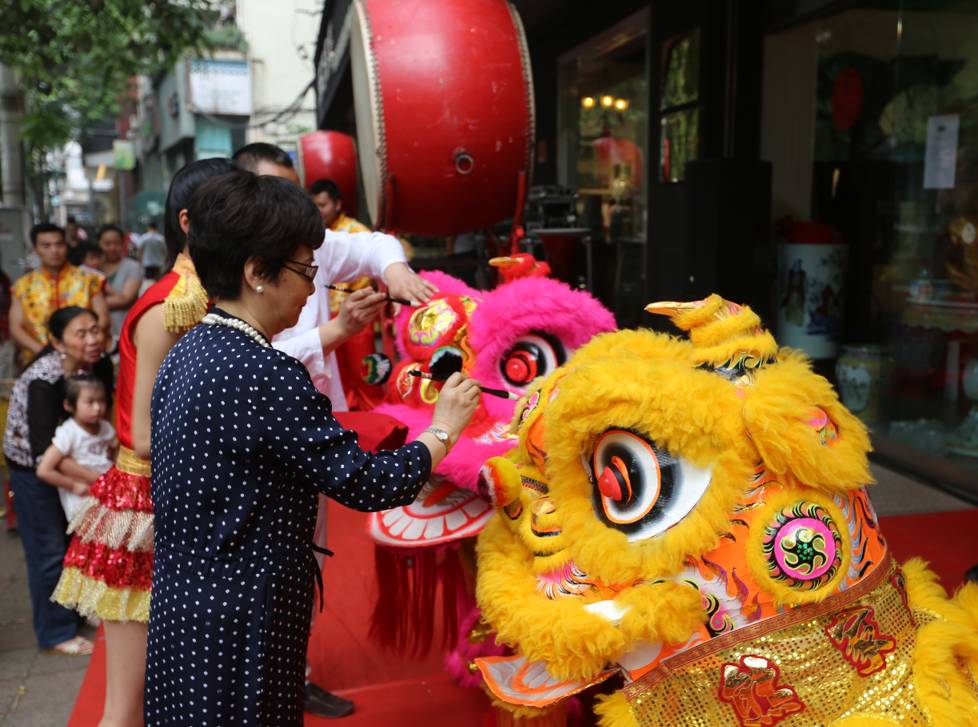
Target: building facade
[(812, 158)]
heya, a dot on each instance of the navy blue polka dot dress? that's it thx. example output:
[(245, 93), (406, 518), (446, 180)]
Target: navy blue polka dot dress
[(242, 443)]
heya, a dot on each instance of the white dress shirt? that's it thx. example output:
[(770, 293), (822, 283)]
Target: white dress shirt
[(342, 256)]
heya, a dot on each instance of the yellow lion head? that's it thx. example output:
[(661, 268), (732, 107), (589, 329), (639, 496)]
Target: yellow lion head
[(666, 492)]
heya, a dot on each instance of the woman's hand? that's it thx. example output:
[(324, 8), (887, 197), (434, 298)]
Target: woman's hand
[(456, 404), (404, 283), (360, 308)]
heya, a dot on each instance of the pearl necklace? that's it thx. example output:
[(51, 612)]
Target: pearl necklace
[(212, 319)]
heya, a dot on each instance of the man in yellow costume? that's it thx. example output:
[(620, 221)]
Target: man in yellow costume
[(689, 517), (55, 284)]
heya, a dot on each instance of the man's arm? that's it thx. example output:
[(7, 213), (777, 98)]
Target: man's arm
[(18, 330), (348, 255), (345, 256)]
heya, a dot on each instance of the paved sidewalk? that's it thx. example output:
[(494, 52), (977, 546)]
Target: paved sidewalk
[(36, 689)]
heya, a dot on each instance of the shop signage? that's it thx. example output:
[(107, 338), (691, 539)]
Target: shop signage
[(124, 154), (220, 87)]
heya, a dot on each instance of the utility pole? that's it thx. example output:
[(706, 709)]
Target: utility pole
[(11, 157)]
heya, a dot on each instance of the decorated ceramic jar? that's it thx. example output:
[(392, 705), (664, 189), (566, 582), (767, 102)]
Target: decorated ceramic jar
[(861, 376)]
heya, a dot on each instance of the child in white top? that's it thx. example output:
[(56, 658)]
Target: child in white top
[(86, 437)]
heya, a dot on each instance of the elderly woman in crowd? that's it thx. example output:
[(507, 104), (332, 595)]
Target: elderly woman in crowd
[(36, 409), (242, 442)]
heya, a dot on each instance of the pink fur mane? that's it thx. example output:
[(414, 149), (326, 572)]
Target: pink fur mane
[(503, 315)]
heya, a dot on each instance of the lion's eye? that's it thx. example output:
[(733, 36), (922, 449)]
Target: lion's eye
[(532, 356), (640, 488)]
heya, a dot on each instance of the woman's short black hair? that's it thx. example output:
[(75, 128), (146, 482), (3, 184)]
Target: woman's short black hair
[(60, 319), (57, 324), (109, 228), (239, 216), (182, 188)]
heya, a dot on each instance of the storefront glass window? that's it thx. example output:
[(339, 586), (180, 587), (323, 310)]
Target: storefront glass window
[(603, 129), (679, 108), (871, 122)]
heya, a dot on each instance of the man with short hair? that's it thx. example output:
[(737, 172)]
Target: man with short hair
[(55, 284), (152, 251), (326, 194)]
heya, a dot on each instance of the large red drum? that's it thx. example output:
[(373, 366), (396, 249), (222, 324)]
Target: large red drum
[(443, 95), (332, 155)]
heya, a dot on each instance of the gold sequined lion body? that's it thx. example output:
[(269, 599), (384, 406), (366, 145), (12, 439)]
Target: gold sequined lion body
[(691, 515)]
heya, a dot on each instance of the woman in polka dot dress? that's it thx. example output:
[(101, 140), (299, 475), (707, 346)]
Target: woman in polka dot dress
[(108, 567), (242, 444)]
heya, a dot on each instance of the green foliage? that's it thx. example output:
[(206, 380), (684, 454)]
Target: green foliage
[(75, 57)]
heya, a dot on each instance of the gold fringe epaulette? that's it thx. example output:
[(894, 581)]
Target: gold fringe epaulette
[(186, 304)]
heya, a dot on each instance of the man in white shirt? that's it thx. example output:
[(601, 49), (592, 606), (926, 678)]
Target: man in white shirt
[(342, 256), (152, 251)]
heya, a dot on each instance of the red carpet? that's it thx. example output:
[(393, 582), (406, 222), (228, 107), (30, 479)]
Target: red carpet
[(947, 540), (390, 692)]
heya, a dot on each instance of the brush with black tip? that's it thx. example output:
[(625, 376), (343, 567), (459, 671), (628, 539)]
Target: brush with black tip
[(446, 361)]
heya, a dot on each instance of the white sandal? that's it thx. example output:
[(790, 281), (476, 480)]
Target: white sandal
[(78, 646)]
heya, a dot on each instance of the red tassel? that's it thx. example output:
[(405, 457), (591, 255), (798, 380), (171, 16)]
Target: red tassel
[(406, 609)]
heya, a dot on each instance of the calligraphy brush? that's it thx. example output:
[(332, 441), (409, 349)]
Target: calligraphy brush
[(485, 389), (389, 296)]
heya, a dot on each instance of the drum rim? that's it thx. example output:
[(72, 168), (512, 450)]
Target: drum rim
[(377, 117), (527, 69)]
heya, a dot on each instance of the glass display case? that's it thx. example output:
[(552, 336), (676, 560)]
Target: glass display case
[(890, 142)]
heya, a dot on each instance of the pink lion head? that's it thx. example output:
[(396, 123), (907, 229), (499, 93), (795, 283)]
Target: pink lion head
[(505, 338)]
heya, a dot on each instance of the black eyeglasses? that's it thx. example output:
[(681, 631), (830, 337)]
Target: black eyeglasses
[(307, 271)]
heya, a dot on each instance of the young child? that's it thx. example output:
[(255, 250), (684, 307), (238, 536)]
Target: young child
[(86, 437), (92, 257)]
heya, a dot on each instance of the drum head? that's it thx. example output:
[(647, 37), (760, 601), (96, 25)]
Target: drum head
[(367, 104), (443, 100)]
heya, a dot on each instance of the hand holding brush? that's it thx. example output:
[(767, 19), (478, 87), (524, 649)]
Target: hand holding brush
[(447, 361), (390, 297), (485, 389)]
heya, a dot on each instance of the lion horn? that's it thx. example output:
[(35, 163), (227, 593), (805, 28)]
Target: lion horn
[(727, 338)]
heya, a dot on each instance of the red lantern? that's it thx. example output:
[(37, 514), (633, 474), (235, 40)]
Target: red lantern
[(332, 155), (444, 109)]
